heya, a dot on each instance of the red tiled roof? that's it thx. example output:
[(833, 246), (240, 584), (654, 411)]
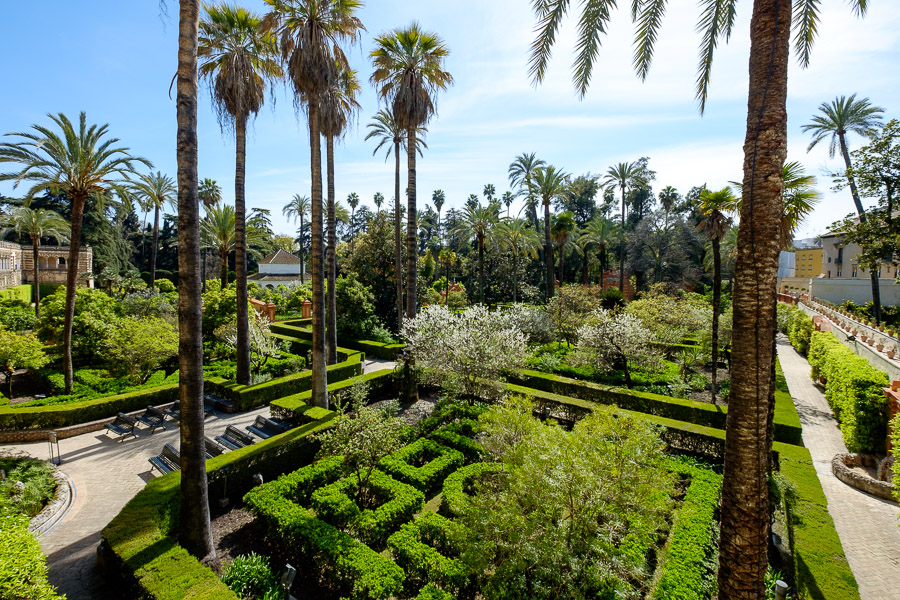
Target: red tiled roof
[(280, 257)]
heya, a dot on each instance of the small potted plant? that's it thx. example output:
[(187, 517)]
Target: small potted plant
[(871, 340), (879, 346), (863, 337), (890, 351), (881, 328)]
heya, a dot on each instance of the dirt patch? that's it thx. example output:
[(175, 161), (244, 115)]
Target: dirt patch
[(415, 412), (25, 387)]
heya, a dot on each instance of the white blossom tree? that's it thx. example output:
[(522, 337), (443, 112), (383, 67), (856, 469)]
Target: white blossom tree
[(468, 352), (262, 344), (616, 341)]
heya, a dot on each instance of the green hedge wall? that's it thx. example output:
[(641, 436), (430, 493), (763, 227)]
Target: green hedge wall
[(854, 390), (18, 293), (457, 486), (787, 422), (23, 567), (295, 408), (441, 462), (422, 549), (299, 328)]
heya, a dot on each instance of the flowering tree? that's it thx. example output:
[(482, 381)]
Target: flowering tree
[(465, 353), (672, 317), (262, 344), (616, 341)]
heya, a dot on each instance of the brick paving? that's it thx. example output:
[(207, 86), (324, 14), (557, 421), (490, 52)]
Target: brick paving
[(107, 474), (867, 526)]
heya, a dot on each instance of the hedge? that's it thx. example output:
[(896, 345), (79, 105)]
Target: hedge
[(459, 436), (682, 571), (140, 537), (787, 422), (18, 293), (798, 328), (458, 486), (854, 389), (295, 408), (23, 567), (298, 328), (432, 592), (441, 461), (421, 549)]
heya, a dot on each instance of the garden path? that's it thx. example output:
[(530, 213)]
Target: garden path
[(377, 364), (107, 474), (867, 526)]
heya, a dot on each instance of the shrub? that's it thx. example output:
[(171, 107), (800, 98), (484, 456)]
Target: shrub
[(262, 345), (570, 307), (355, 307), (672, 317), (37, 477), (251, 577), (612, 298), (424, 550), (148, 304), (16, 316), (19, 350), (95, 320), (165, 286), (461, 484), (138, 347), (438, 460), (23, 568), (799, 328), (458, 435), (432, 592)]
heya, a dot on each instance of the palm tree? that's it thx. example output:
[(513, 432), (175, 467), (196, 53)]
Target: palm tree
[(836, 120), (508, 198), (714, 207), (36, 224), (489, 192), (668, 196), (561, 229), (472, 201), (209, 193), (79, 163), (218, 232), (478, 223), (156, 190), (238, 62), (338, 107), (385, 129), (297, 209), (378, 199), (311, 33), (622, 175), (520, 240), (521, 173), (409, 72), (353, 201), (549, 184), (600, 232), (195, 532), (745, 499), (438, 198)]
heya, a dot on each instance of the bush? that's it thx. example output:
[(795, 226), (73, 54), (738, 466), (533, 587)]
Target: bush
[(438, 460), (138, 347), (460, 485), (798, 327), (95, 320), (165, 286), (16, 316), (424, 549), (251, 577), (36, 475), (23, 568), (459, 436), (355, 307), (612, 299)]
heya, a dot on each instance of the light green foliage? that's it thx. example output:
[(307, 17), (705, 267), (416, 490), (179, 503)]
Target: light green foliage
[(672, 317), (95, 318), (20, 351), (165, 286), (37, 477), (251, 577), (16, 315), (219, 307), (23, 568), (138, 347), (571, 306), (262, 344), (552, 528), (795, 324)]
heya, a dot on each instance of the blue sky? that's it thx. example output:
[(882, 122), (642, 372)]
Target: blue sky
[(115, 60)]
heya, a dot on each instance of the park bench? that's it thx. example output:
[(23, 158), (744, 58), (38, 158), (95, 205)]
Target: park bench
[(167, 461), (213, 448), (122, 426), (265, 428), (234, 438), (175, 410), (153, 418)]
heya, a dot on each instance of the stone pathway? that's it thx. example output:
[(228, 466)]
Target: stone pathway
[(867, 526), (107, 474), (377, 364)]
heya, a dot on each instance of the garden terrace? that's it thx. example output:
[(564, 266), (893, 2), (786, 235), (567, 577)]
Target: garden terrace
[(301, 328)]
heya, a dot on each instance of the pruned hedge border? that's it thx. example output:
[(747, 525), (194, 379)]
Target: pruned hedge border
[(421, 547), (296, 408), (429, 476), (298, 328), (787, 422)]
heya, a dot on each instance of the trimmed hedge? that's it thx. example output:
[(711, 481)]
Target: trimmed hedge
[(458, 486), (682, 572), (295, 408), (787, 423), (854, 390), (23, 567), (459, 436), (421, 549), (18, 293), (426, 478), (334, 505), (432, 592), (798, 327), (299, 328)]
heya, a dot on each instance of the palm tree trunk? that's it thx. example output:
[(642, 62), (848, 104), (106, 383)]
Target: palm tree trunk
[(717, 303), (71, 283), (398, 250), (548, 253), (481, 271), (562, 265), (412, 263), (302, 262), (745, 502), (584, 268), (622, 247), (223, 269), (515, 278), (36, 291), (331, 312), (240, 253), (153, 249), (319, 375), (194, 529)]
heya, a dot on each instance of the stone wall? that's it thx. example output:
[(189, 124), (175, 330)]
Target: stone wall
[(52, 263), (859, 291), (10, 265)]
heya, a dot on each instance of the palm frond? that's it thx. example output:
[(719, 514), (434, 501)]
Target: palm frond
[(550, 14), (648, 15)]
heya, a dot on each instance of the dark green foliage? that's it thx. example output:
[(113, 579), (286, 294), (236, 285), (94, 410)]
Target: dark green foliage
[(37, 476), (23, 567), (853, 388), (423, 549), (300, 329), (355, 308), (612, 298), (95, 317), (459, 436), (296, 409), (424, 464), (251, 577), (432, 592), (459, 485)]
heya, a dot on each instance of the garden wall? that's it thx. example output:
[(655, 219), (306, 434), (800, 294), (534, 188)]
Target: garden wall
[(858, 291), (298, 328)]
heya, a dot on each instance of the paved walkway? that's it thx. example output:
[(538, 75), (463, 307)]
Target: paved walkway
[(377, 364), (867, 526), (107, 474)]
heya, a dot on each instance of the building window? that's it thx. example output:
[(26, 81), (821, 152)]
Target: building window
[(829, 260), (854, 272)]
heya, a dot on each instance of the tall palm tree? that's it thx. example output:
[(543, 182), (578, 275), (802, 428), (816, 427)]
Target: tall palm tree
[(37, 224), (478, 223), (195, 532), (409, 72), (562, 227), (745, 501), (472, 201), (310, 35), (238, 62), (548, 184), (835, 121), (388, 133), (78, 162), (438, 198), (337, 109), (622, 175), (521, 173), (601, 233), (353, 201), (715, 206), (378, 199), (218, 232), (209, 192), (520, 240), (297, 209), (489, 192), (668, 196), (508, 198), (155, 190)]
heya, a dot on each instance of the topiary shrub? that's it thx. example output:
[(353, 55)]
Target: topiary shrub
[(439, 461), (799, 331)]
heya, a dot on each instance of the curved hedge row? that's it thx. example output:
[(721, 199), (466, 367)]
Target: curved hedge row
[(441, 462), (23, 567), (299, 328), (421, 549), (854, 390)]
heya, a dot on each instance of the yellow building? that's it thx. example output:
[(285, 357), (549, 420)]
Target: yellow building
[(808, 262)]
